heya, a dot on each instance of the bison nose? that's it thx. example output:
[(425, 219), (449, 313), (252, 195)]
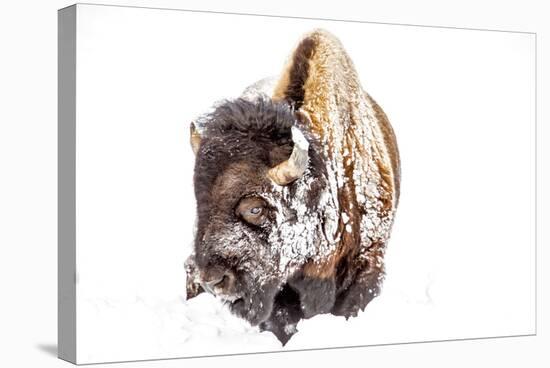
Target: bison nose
[(219, 282)]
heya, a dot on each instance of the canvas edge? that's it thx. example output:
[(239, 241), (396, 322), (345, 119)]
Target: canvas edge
[(66, 159)]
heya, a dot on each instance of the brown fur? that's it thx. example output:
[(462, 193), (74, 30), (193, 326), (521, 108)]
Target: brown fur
[(330, 74)]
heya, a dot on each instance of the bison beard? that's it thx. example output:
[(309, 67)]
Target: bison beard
[(296, 194)]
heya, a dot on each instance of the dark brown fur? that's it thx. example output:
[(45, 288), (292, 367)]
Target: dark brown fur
[(294, 93)]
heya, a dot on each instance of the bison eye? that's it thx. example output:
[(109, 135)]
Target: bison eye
[(256, 210), (252, 210)]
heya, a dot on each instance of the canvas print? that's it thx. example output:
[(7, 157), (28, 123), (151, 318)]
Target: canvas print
[(232, 183)]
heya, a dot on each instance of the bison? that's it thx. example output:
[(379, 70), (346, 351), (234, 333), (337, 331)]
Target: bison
[(296, 193)]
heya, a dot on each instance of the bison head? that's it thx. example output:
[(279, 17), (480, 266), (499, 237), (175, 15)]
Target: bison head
[(257, 184)]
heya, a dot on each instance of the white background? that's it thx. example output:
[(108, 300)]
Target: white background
[(29, 186), (461, 259)]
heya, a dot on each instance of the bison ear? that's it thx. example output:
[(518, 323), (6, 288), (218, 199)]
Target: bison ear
[(296, 165), (195, 138)]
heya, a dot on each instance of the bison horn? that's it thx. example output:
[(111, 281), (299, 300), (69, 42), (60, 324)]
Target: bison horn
[(293, 168), (195, 138)]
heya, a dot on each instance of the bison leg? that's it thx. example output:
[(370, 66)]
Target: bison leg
[(317, 294), (285, 315), (302, 297), (364, 287)]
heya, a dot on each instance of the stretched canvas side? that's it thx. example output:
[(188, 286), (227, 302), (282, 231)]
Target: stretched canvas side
[(66, 318)]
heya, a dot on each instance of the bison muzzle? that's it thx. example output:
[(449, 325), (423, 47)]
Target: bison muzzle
[(296, 193)]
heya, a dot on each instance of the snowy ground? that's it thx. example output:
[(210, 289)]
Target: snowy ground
[(414, 306), (153, 327)]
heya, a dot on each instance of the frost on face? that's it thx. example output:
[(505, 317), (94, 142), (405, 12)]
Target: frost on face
[(315, 233), (297, 238), (253, 258)]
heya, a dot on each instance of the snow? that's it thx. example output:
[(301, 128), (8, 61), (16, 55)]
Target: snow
[(298, 241), (345, 217), (173, 327)]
